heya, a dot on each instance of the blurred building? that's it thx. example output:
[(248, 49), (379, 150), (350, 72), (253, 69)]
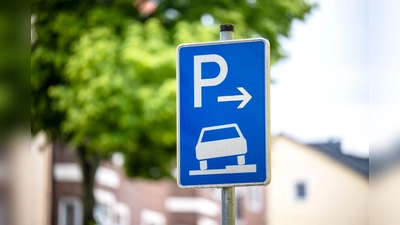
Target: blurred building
[(41, 167), (122, 201), (15, 180), (385, 183), (316, 184)]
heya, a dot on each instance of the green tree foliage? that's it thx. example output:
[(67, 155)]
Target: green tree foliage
[(14, 73), (103, 72)]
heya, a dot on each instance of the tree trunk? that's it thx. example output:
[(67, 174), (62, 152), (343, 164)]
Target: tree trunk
[(89, 163)]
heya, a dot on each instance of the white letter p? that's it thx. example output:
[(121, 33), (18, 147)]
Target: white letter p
[(199, 83)]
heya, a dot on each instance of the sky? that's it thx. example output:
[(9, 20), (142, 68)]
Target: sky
[(321, 91), (384, 47)]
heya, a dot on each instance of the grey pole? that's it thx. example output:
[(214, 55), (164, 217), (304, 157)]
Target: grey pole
[(228, 205), (226, 32), (228, 193)]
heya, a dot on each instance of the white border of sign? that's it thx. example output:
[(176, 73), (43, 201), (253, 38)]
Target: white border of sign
[(267, 111)]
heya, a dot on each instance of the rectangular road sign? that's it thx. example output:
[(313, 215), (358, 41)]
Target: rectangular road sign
[(223, 113)]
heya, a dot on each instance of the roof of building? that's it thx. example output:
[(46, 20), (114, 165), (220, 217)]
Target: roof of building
[(333, 149)]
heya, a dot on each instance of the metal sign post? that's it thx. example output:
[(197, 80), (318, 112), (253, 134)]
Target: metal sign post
[(227, 193)]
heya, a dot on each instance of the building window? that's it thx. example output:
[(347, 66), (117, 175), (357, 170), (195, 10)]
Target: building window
[(70, 208), (301, 192), (255, 198), (69, 211), (101, 214), (150, 217), (239, 208), (121, 213)]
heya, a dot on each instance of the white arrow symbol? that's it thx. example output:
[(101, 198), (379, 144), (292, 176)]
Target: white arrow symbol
[(245, 98)]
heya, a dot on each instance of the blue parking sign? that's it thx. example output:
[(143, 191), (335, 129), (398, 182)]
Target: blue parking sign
[(223, 136)]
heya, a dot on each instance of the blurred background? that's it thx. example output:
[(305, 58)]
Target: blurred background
[(103, 113)]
